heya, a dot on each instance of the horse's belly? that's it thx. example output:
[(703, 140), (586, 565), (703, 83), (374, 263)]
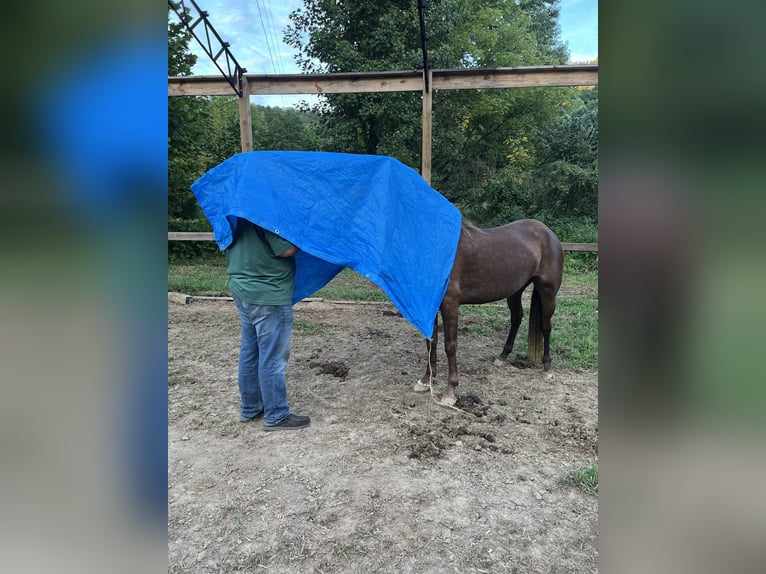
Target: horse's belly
[(487, 292), (479, 300)]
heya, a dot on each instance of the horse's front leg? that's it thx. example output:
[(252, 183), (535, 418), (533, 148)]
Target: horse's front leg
[(424, 384), (449, 319)]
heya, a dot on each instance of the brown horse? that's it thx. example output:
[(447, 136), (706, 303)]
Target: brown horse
[(494, 264)]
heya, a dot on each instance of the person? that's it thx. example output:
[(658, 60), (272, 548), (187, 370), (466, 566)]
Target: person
[(261, 270)]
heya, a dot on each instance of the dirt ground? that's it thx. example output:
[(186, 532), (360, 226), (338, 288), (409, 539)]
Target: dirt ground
[(384, 479)]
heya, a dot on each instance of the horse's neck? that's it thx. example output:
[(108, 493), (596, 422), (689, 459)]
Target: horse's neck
[(473, 237)]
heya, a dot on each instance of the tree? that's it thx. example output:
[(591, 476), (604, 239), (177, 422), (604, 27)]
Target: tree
[(285, 129), (567, 164), (470, 128), (187, 122), (551, 171), (222, 137)]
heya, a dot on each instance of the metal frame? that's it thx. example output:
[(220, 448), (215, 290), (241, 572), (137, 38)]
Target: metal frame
[(234, 71)]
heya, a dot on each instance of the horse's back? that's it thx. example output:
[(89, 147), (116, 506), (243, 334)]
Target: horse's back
[(536, 237), (494, 263), (550, 253)]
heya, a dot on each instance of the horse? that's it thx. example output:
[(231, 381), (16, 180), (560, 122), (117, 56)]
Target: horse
[(494, 264)]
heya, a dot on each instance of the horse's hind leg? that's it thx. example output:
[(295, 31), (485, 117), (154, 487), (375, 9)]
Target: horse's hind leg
[(546, 306), (423, 384), (549, 306), (517, 313)]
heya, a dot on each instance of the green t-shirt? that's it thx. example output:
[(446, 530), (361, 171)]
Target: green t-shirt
[(257, 273)]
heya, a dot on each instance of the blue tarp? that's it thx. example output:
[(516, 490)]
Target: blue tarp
[(371, 213)]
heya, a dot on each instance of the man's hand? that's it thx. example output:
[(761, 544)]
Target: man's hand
[(290, 252)]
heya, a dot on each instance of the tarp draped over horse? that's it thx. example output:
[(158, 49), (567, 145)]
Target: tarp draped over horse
[(371, 213)]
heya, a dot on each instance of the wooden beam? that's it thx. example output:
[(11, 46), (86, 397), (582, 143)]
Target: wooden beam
[(374, 82), (591, 247), (199, 86), (403, 81), (526, 77), (245, 121), (284, 84), (200, 236), (180, 298), (189, 236)]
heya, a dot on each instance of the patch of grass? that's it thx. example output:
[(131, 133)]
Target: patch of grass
[(580, 262), (584, 479), (208, 278), (306, 328), (348, 285), (485, 320), (574, 337), (254, 560)]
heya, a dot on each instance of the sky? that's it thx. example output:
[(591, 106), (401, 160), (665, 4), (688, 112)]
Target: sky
[(255, 28)]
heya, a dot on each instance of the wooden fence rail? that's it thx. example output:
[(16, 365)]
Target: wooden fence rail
[(365, 82), (202, 236)]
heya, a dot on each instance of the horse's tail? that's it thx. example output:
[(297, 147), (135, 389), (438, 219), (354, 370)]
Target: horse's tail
[(535, 339)]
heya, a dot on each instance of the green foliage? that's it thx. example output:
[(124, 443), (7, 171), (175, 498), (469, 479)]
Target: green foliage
[(584, 479), (222, 139), (551, 169), (285, 129), (348, 285), (343, 36), (187, 123)]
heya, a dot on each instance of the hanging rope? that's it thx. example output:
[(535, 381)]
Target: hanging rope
[(431, 383), (424, 44)]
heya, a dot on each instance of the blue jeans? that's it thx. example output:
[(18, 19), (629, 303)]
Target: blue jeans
[(266, 331)]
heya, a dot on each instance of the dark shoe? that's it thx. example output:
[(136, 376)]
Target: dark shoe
[(291, 422), (244, 419)]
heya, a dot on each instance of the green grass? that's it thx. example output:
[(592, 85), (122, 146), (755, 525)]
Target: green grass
[(585, 479), (206, 278), (306, 328), (574, 340), (574, 337), (209, 278), (348, 285)]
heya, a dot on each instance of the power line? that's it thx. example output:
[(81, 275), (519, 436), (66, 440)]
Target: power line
[(268, 39)]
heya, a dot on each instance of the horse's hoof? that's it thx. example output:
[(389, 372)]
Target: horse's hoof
[(504, 363), (420, 387), (447, 401), (548, 376)]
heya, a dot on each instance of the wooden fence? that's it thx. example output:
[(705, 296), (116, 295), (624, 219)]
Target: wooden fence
[(368, 82), (202, 236)]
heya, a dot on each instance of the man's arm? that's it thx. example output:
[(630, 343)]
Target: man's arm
[(277, 243)]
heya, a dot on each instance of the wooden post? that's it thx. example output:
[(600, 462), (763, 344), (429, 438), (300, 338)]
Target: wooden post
[(425, 169), (245, 120)]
